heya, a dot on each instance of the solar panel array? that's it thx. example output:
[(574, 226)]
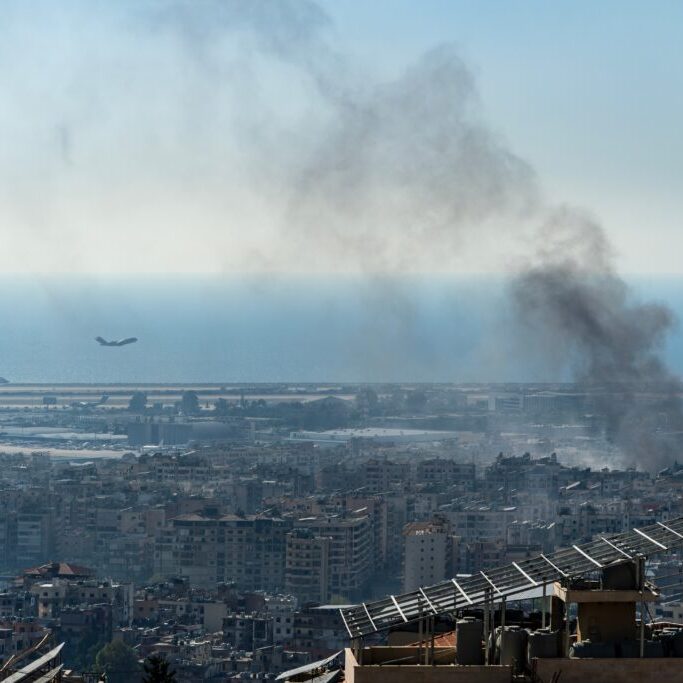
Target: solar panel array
[(517, 577), (47, 665)]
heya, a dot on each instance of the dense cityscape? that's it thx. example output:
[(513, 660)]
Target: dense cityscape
[(223, 527), (341, 341)]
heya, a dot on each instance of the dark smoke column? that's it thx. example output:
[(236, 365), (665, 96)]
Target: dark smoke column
[(574, 306)]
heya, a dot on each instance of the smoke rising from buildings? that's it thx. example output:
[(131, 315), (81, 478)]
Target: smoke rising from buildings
[(241, 128), (410, 173), (569, 298)]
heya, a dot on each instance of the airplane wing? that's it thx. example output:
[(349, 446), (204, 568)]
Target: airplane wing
[(120, 342)]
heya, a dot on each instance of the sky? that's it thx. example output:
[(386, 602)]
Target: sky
[(150, 136), (590, 92)]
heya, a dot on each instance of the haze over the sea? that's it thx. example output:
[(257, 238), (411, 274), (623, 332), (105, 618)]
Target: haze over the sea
[(267, 329)]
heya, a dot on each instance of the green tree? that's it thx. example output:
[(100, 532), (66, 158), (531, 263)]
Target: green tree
[(189, 403), (119, 662), (416, 401), (157, 670), (138, 402), (85, 651), (222, 407), (367, 401)]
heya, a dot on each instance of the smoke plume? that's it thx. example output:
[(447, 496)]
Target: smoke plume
[(409, 173), (570, 297), (228, 134)]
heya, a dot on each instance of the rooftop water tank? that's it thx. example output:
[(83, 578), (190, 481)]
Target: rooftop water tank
[(511, 645), (543, 644), (469, 633)]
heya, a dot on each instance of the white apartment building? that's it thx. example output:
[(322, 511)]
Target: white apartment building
[(428, 553)]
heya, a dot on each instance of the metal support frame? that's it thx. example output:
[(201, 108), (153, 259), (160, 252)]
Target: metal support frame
[(492, 603), (487, 625), (420, 634), (554, 566), (619, 550), (566, 629), (431, 649), (464, 595), (505, 581), (365, 607), (641, 587), (493, 585), (357, 649), (398, 608), (649, 538), (670, 530), (524, 574), (587, 556), (428, 601)]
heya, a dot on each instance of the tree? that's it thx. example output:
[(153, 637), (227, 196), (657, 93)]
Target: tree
[(119, 662), (138, 402), (189, 403), (367, 401), (222, 407), (157, 670), (416, 401)]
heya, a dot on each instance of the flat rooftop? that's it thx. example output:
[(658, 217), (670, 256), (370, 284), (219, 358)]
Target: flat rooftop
[(374, 433)]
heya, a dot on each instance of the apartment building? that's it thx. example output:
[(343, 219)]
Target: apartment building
[(307, 565), (35, 536), (246, 551), (384, 475), (350, 553), (50, 599), (428, 553), (475, 523), (443, 472)]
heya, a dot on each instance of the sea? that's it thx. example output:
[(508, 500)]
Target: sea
[(268, 328)]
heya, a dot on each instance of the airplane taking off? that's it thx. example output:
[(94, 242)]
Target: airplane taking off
[(120, 342)]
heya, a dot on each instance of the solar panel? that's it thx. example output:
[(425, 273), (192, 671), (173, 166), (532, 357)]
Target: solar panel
[(31, 668), (509, 580)]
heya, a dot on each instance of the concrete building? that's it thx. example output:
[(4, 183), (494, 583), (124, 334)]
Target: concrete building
[(475, 523), (319, 630), (248, 631), (247, 551), (350, 551), (671, 611), (428, 553), (307, 565), (378, 435), (51, 599), (380, 476), (606, 644), (35, 536), (443, 471), (282, 609)]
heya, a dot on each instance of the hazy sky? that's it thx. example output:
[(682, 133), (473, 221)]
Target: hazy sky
[(151, 136)]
